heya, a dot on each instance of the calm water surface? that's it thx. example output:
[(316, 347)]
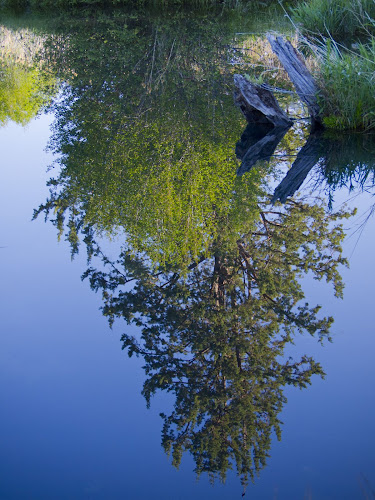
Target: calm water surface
[(198, 274)]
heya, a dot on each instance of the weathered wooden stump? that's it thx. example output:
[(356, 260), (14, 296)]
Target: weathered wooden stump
[(268, 123), (258, 105)]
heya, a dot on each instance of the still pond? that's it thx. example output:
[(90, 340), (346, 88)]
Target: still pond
[(166, 331)]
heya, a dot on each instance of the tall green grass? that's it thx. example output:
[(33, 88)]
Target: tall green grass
[(345, 70), (347, 80), (342, 20)]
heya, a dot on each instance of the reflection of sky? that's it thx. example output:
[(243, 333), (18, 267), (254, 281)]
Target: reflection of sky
[(329, 427), (73, 422)]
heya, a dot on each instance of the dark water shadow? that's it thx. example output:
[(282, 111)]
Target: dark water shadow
[(258, 143)]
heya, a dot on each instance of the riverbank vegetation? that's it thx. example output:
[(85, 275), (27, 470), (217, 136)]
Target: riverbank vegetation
[(347, 82), (76, 5), (342, 20), (340, 36)]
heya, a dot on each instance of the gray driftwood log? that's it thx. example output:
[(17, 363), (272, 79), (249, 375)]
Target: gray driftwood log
[(258, 105), (304, 83)]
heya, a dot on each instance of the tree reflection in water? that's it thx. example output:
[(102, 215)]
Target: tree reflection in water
[(214, 334), (209, 273)]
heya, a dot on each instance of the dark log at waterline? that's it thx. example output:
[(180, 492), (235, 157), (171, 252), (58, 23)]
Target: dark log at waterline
[(304, 83), (254, 147), (250, 136), (258, 104)]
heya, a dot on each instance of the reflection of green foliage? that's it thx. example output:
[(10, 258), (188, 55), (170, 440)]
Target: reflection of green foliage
[(348, 162), (27, 85), (24, 92), (146, 132), (214, 337)]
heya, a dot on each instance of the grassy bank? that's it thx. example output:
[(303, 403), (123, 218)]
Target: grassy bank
[(347, 80), (342, 20), (340, 35)]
